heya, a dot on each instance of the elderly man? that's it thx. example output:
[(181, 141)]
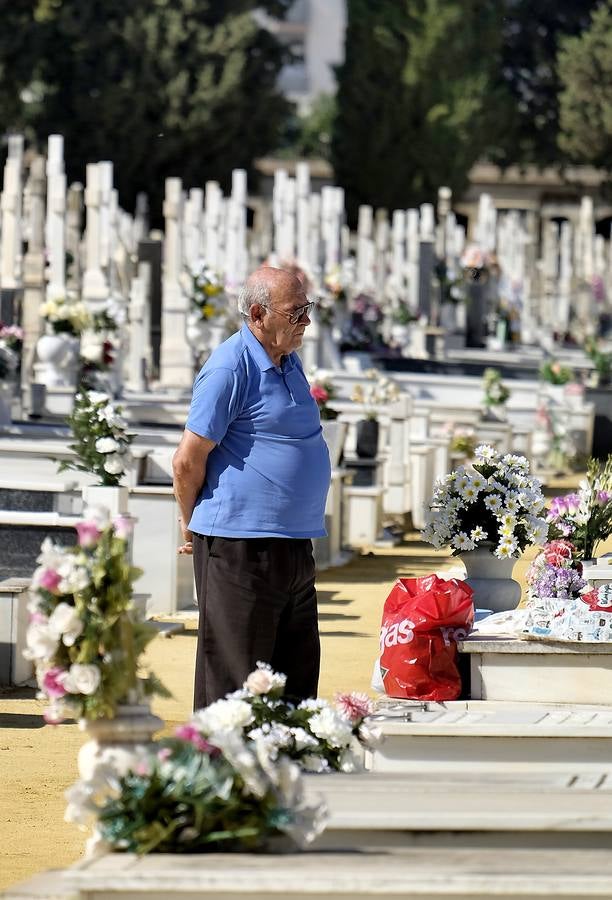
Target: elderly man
[(251, 476)]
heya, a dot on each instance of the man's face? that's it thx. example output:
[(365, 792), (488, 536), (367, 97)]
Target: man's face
[(278, 332)]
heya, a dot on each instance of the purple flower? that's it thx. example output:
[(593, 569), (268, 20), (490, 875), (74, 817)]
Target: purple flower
[(558, 582)]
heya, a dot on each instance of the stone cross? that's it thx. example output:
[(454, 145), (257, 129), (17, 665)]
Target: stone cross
[(176, 369), (192, 228), (139, 358), (95, 288), (33, 275), (412, 259), (55, 228), (74, 222), (398, 258), (212, 219), (302, 182), (278, 199), (365, 249), (10, 209), (314, 251)]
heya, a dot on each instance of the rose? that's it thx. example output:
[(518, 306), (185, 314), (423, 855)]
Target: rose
[(41, 641), (114, 464), (260, 681), (89, 533), (82, 678), (191, 734), (48, 579), (66, 623), (107, 445), (53, 682), (319, 393), (123, 526)]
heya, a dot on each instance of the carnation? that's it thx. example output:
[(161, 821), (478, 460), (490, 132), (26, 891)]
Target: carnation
[(224, 715)]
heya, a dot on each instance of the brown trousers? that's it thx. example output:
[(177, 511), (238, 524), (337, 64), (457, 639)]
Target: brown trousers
[(257, 601)]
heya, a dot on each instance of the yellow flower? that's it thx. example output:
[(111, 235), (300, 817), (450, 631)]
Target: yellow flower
[(212, 290), (208, 311)]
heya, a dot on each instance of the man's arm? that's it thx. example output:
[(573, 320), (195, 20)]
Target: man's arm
[(189, 471)]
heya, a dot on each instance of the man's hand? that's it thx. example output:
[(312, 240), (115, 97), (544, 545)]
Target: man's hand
[(187, 546)]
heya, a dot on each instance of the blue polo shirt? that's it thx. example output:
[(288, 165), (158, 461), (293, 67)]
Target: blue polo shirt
[(269, 474)]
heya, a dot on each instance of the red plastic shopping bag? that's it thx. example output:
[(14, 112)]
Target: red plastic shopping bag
[(423, 618)]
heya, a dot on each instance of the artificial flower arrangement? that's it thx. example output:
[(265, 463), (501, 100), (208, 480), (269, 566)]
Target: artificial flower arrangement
[(379, 390), (84, 638), (601, 359), (229, 779), (207, 293), (322, 390), (101, 441), (552, 372), (585, 517), (462, 441), (495, 391), (11, 341), (66, 315), (555, 572), (495, 504), (561, 605)]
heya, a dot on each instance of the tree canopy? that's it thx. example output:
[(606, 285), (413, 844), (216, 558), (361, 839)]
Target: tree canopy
[(160, 87), (416, 100), (585, 70)]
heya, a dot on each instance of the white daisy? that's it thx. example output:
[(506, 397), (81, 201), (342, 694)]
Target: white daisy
[(478, 533), (462, 542), (505, 550), (486, 452), (493, 502)]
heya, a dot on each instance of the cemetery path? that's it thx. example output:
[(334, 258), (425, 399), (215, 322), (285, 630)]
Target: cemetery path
[(38, 763)]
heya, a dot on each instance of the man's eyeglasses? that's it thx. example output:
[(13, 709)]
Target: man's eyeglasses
[(294, 317)]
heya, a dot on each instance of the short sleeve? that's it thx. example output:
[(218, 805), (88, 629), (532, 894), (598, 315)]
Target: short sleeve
[(215, 403)]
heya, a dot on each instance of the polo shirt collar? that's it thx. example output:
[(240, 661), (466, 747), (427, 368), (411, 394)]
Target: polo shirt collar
[(260, 355)]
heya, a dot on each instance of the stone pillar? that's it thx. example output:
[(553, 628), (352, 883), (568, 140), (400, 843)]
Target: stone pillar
[(565, 277), (412, 259), (381, 249), (74, 224), (55, 228), (95, 288), (138, 362), (212, 218), (194, 211), (426, 259), (241, 256), (105, 169), (141, 218), (33, 277), (278, 193), (365, 249), (315, 252), (398, 258), (302, 182), (176, 369), (287, 236), (11, 213)]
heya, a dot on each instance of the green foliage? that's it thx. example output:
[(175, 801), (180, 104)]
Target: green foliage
[(161, 88), (495, 391), (585, 68), (101, 442), (553, 372), (531, 34), (308, 134), (601, 360), (188, 802), (416, 106)]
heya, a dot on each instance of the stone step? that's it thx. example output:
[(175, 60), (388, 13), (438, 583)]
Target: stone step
[(384, 808), (492, 736), (417, 873)]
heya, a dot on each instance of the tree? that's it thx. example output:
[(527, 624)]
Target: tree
[(531, 33), (308, 134), (585, 70), (415, 104), (160, 87)]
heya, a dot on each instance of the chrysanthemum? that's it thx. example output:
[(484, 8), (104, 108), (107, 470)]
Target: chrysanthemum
[(493, 502), (461, 541)]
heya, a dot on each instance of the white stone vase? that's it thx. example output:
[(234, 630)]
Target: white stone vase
[(113, 497), (491, 580), (118, 742), (57, 356)]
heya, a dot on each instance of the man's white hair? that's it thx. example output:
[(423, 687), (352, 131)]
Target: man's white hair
[(253, 292)]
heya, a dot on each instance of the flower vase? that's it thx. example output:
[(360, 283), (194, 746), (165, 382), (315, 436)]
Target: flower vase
[(112, 497), (367, 439), (57, 356), (553, 392), (6, 396), (491, 580)]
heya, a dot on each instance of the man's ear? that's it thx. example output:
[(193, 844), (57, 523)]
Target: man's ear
[(257, 312)]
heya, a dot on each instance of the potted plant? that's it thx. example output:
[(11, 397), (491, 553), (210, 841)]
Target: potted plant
[(489, 514), (495, 393), (378, 391), (101, 445), (65, 319)]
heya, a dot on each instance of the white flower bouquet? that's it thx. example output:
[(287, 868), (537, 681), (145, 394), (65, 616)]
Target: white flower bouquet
[(495, 503), (320, 736), (191, 794), (101, 441), (378, 390), (66, 315), (83, 637)]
